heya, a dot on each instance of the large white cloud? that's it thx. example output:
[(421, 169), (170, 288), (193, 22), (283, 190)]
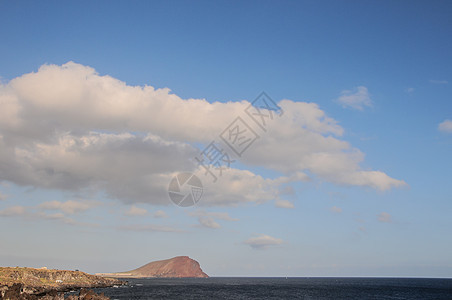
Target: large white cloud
[(67, 127)]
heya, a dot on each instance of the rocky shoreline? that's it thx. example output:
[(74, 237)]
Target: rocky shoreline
[(30, 283)]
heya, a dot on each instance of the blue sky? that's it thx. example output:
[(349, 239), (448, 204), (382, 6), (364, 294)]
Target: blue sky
[(363, 148)]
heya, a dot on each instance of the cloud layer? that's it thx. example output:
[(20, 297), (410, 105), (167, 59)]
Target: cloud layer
[(68, 128)]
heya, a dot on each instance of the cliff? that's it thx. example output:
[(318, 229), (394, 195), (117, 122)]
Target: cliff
[(177, 267), (42, 282)]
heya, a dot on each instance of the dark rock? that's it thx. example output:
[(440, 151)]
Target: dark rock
[(16, 292)]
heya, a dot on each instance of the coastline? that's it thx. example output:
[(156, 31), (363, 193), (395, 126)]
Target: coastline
[(32, 283)]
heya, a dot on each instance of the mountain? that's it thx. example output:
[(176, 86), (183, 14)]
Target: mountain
[(177, 267)]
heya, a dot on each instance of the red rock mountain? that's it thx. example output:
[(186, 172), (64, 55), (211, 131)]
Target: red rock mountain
[(180, 266)]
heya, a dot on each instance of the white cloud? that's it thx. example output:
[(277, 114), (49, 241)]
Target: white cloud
[(409, 90), (69, 207), (207, 219), (160, 214), (30, 213), (136, 211), (68, 128), (263, 242), (438, 81), (384, 217), (13, 211), (58, 217), (445, 126), (236, 187), (356, 99), (336, 209), (151, 228), (3, 196), (284, 204), (208, 222)]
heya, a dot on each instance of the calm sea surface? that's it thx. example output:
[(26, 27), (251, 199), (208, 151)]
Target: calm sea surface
[(282, 288)]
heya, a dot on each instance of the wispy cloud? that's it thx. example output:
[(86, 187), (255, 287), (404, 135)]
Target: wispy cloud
[(151, 228), (160, 214), (69, 207), (336, 209), (136, 211), (56, 216), (30, 213), (263, 242), (284, 204), (438, 81), (207, 219), (13, 211), (384, 217), (356, 99), (445, 126), (208, 222)]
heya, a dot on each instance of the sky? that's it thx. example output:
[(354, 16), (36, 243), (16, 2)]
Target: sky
[(104, 103)]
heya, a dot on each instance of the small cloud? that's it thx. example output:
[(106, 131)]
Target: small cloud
[(384, 217), (445, 126), (150, 228), (207, 218), (60, 217), (56, 216), (336, 209), (160, 214), (69, 207), (284, 204), (136, 211), (356, 99), (208, 222), (362, 229), (28, 213), (409, 90), (438, 81), (13, 211), (263, 242)]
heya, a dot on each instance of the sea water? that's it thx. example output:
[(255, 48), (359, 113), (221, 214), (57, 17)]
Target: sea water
[(282, 288)]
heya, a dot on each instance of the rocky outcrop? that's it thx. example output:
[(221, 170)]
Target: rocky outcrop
[(177, 267), (29, 283), (16, 292), (88, 295)]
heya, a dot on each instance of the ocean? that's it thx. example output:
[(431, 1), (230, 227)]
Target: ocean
[(282, 288)]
